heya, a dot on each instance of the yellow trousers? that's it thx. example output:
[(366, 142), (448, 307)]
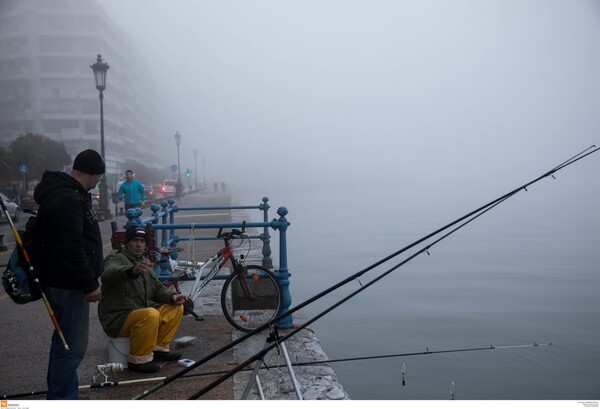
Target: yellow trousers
[(150, 329)]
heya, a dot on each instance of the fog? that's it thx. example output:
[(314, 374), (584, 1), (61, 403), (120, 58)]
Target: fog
[(411, 92), (448, 105)]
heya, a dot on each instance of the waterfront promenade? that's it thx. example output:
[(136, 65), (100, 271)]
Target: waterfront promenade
[(27, 330)]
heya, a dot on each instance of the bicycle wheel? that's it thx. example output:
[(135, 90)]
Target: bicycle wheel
[(253, 300)]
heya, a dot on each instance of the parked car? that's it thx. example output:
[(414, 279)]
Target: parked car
[(150, 196), (168, 188), (157, 190), (13, 209)]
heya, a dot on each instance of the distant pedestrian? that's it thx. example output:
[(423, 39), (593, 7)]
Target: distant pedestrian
[(132, 191), (223, 186), (216, 187), (70, 264)]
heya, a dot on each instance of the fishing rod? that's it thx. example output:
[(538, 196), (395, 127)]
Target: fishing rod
[(586, 152), (471, 217), (106, 384), (426, 352), (33, 275), (261, 354)]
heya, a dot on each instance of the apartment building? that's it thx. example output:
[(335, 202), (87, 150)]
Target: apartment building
[(47, 85)]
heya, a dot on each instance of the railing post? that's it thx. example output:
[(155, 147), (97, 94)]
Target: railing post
[(164, 235), (174, 239), (282, 272), (267, 261), (172, 217), (133, 217)]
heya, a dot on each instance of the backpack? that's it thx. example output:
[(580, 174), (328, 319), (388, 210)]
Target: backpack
[(19, 278)]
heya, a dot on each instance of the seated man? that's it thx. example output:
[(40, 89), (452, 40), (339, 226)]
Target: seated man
[(137, 305)]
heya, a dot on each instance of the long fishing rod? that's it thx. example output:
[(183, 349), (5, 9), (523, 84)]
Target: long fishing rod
[(106, 384), (473, 215), (573, 159), (279, 339), (426, 352), (31, 273)]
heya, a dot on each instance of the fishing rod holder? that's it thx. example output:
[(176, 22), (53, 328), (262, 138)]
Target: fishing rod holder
[(273, 337), (102, 369)]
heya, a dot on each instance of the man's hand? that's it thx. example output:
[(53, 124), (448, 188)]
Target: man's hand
[(178, 299), (93, 296), (141, 266)]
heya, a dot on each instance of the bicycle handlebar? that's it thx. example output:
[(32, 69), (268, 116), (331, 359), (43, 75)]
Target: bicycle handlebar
[(231, 234)]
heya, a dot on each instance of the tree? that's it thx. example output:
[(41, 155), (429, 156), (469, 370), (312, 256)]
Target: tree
[(8, 169), (39, 153)]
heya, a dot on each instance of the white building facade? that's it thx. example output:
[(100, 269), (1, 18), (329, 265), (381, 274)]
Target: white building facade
[(47, 86)]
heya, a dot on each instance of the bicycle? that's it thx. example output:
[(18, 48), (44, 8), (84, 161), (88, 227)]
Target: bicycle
[(251, 295)]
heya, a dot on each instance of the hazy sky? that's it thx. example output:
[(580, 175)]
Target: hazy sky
[(401, 90)]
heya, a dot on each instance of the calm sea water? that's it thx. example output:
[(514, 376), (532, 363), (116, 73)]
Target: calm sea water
[(527, 272)]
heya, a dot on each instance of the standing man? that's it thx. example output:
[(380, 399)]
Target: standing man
[(70, 263), (132, 190)]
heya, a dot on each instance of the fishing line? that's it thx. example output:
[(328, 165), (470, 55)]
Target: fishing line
[(476, 213)]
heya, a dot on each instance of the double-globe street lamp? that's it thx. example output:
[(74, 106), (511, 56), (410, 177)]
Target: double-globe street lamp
[(100, 69), (178, 188)]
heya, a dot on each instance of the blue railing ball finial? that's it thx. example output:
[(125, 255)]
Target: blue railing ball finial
[(282, 211), (133, 217), (264, 206)]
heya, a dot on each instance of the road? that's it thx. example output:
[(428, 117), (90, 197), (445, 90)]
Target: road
[(27, 330)]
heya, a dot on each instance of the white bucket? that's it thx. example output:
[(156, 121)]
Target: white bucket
[(118, 350)]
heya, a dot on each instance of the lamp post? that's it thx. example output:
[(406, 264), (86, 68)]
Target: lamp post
[(178, 188), (196, 169), (100, 69)]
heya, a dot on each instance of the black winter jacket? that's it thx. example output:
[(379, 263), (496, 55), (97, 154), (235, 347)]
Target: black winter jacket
[(71, 254)]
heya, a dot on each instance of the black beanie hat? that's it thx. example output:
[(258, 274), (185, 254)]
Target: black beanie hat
[(133, 232), (90, 162)]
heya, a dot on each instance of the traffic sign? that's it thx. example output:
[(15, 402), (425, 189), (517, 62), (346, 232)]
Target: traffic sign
[(173, 168), (23, 168)]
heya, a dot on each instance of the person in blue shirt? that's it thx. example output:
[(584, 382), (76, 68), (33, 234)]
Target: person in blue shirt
[(132, 191)]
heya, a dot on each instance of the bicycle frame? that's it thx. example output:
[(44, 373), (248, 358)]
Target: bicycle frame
[(220, 259)]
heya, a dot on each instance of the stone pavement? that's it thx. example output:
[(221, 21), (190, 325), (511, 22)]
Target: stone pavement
[(27, 330)]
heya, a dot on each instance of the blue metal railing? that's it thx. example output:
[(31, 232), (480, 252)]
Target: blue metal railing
[(163, 219)]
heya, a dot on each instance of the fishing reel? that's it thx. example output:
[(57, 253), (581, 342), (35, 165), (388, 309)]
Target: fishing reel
[(102, 369)]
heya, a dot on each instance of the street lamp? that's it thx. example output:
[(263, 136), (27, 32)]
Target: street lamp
[(196, 169), (178, 141), (100, 69)]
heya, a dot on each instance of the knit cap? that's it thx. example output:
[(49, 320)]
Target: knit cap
[(133, 232), (89, 161)]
